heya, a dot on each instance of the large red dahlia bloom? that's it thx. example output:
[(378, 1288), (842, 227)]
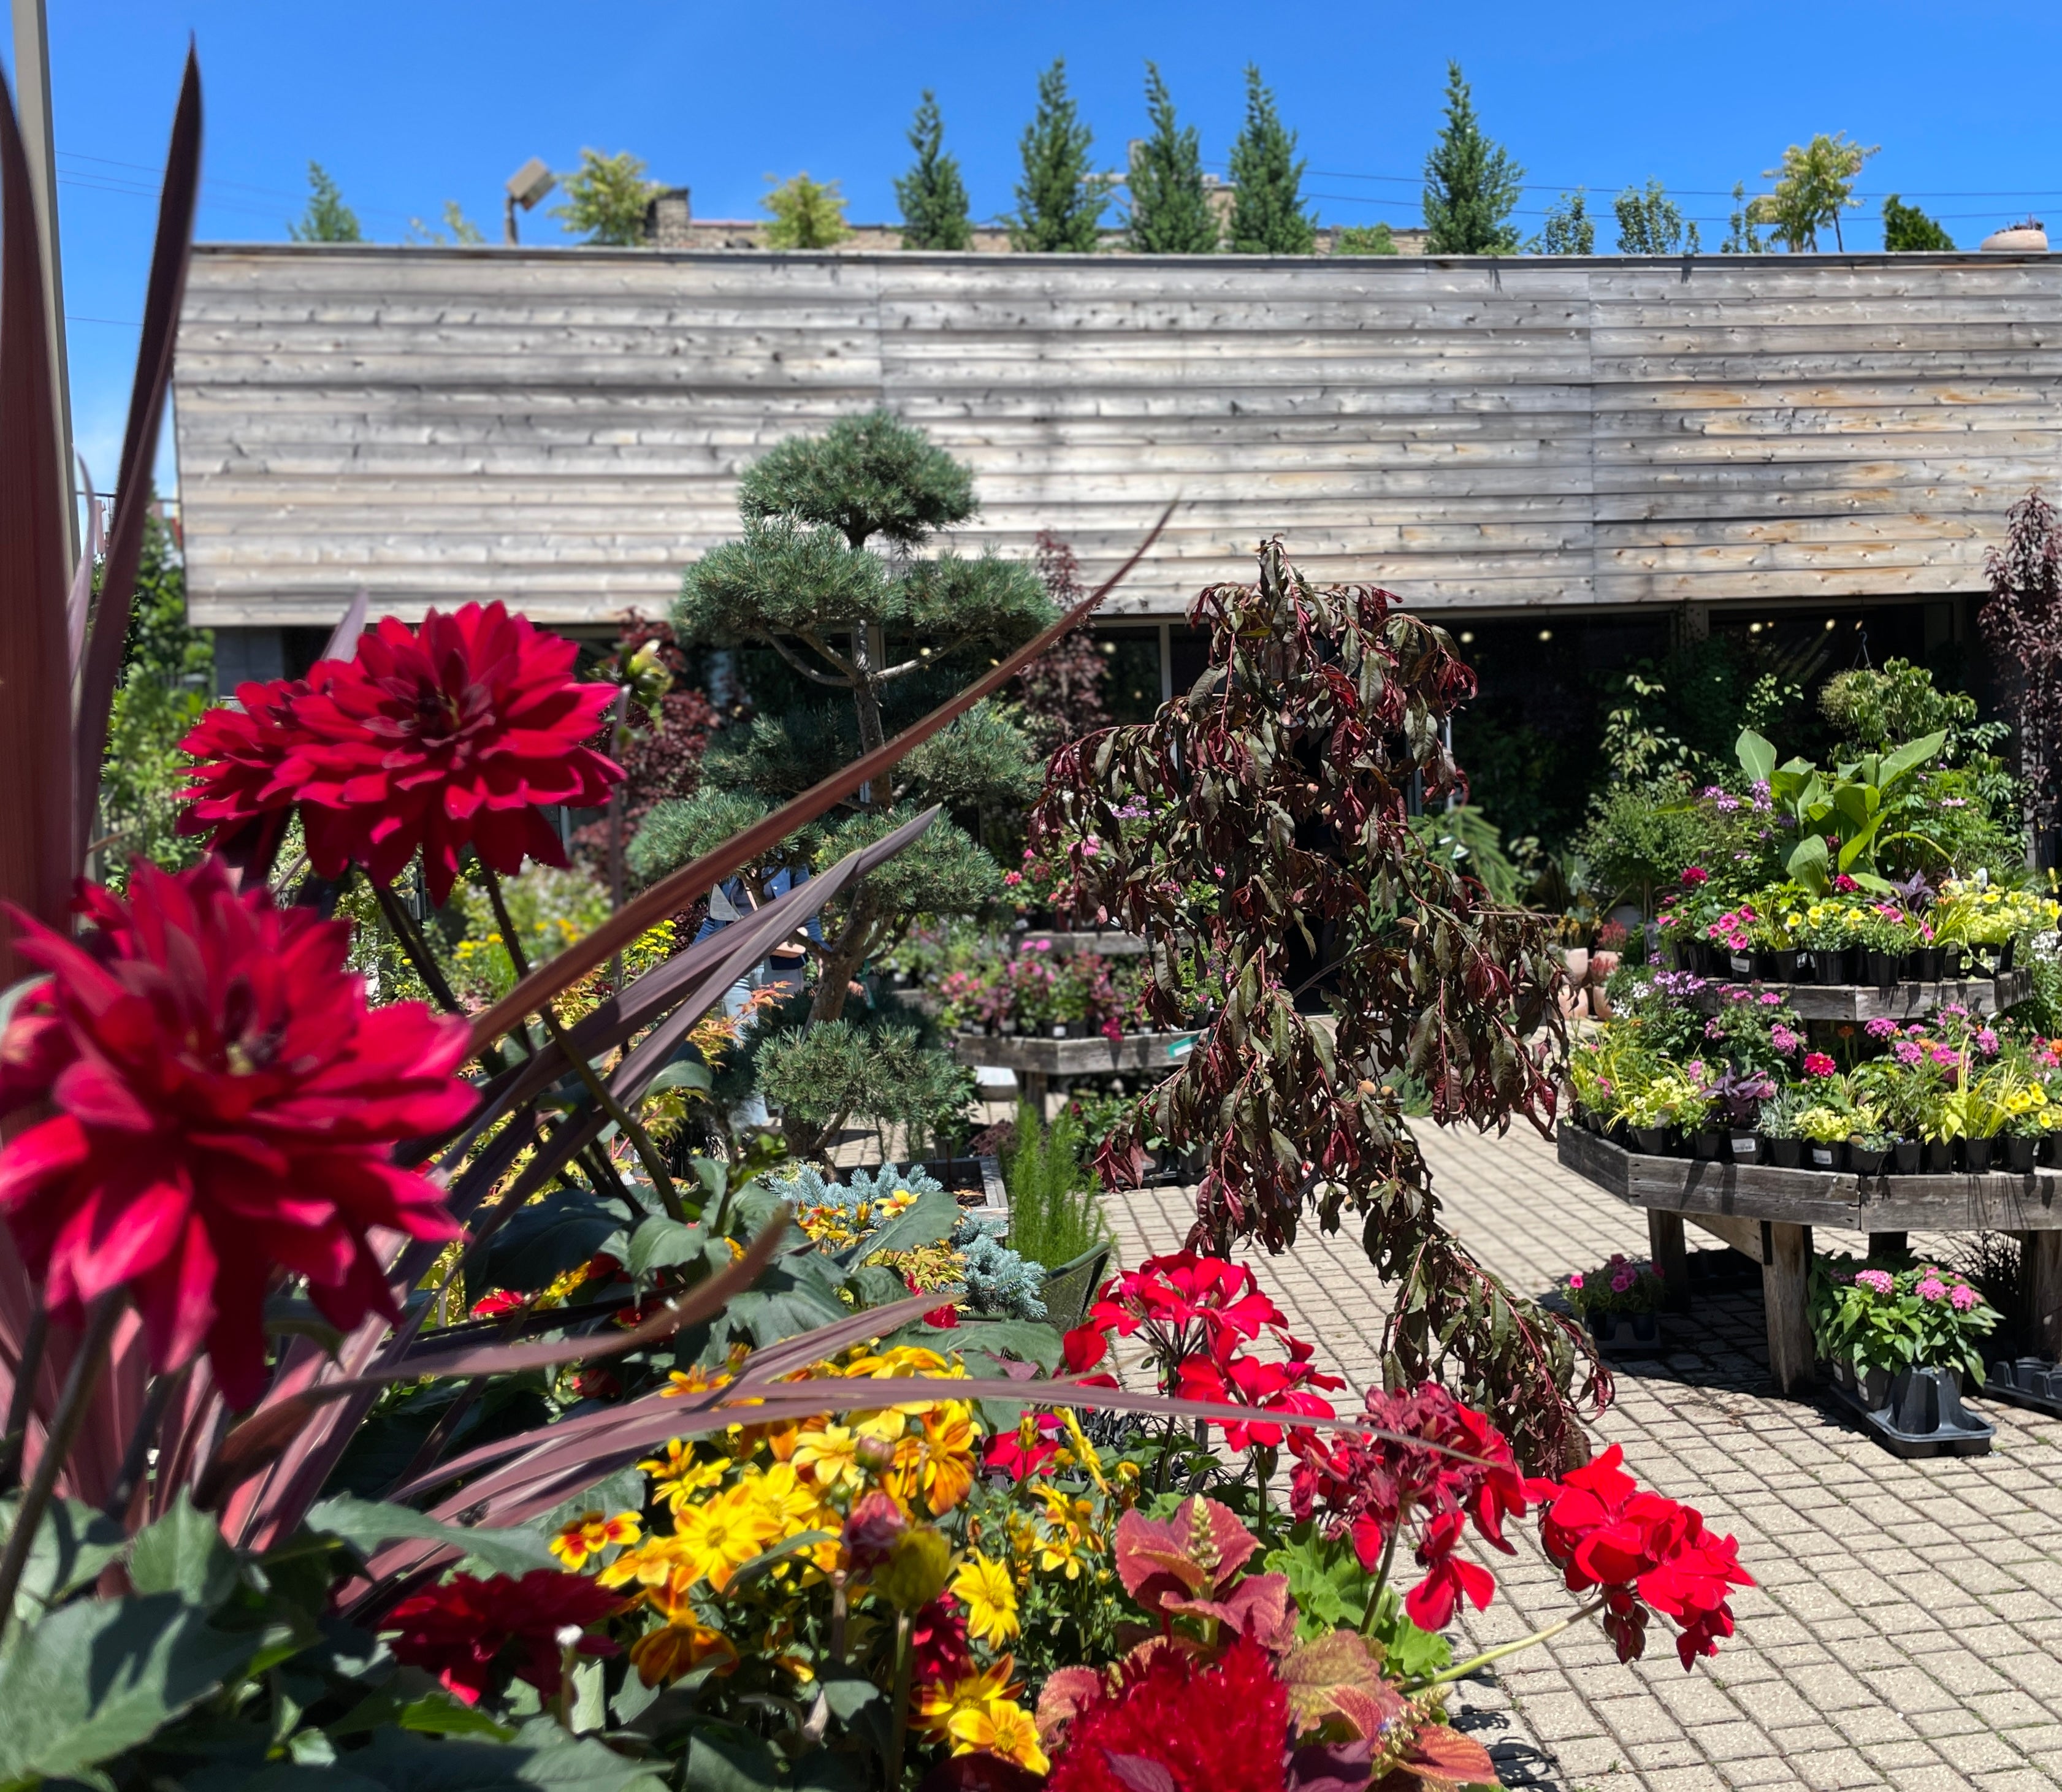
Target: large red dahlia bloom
[(250, 773), (227, 1104), (458, 1631), (438, 739)]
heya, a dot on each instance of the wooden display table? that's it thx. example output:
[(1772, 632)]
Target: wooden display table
[(1896, 1001), (1104, 942), (1040, 1063), (1769, 1213)]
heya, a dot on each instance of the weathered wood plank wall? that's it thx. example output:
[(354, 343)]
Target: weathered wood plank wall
[(564, 428)]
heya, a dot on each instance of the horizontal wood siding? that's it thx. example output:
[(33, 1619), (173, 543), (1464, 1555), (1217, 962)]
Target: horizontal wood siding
[(564, 429)]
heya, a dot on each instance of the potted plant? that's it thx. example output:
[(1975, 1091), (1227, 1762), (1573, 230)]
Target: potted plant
[(1881, 935), (1899, 1341), (1782, 1143), (1824, 1129), (1825, 927), (1867, 1151), (1738, 1095), (1620, 1302)]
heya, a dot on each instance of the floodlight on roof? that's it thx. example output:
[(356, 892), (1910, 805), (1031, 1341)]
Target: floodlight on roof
[(526, 186)]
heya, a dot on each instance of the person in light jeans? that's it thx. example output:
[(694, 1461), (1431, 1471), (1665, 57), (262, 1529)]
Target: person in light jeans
[(782, 969)]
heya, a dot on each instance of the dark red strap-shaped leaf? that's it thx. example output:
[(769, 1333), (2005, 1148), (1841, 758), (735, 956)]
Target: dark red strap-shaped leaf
[(38, 857), (344, 638), (260, 1439), (676, 891), (139, 444), (79, 606)]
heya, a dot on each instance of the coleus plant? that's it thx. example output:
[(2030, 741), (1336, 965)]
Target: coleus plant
[(1354, 956)]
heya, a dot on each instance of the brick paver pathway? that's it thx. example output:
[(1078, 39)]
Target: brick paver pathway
[(1905, 1630)]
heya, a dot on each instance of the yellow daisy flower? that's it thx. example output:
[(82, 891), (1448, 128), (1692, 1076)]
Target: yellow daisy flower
[(1000, 1727), (985, 1588), (590, 1533)]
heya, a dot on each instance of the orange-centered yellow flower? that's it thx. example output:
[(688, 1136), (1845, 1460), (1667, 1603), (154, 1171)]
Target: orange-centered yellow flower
[(985, 1588), (590, 1533), (1002, 1727)]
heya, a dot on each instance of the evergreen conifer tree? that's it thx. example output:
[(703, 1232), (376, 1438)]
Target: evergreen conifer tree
[(1470, 184), (1171, 213), (807, 213), (1906, 227), (865, 641), (1060, 201), (328, 219), (1267, 215), (932, 196)]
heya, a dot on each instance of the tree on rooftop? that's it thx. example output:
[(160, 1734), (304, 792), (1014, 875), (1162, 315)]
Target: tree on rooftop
[(1570, 230), (932, 196), (863, 638), (1742, 238), (1906, 227), (1814, 186), (1061, 199), (807, 213), (1171, 213), (606, 197), (1470, 184), (1650, 223), (1267, 214), (1364, 240), (328, 219)]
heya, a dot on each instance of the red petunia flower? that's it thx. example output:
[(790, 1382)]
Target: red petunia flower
[(227, 1105), (436, 739), (460, 1630), (1178, 1722)]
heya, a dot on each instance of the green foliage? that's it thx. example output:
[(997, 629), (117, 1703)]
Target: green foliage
[(1906, 227), (1569, 229), (167, 679), (865, 476), (1171, 213), (1465, 839), (683, 828), (1742, 238), (1813, 186), (1267, 214), (552, 908), (807, 213), (867, 1067), (1055, 1203), (1471, 184), (328, 219), (932, 196), (1650, 223), (1061, 199), (606, 197), (1636, 845), (1874, 711), (1364, 240), (457, 229)]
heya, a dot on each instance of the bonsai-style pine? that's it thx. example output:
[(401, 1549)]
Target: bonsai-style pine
[(1276, 840)]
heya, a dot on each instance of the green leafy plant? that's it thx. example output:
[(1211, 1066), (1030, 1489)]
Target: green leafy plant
[(807, 213), (1871, 1317), (1846, 805), (1055, 1202), (1570, 230), (1364, 240), (1814, 186), (1470, 184), (1650, 223), (1061, 199), (606, 197), (1905, 228), (328, 219), (932, 194)]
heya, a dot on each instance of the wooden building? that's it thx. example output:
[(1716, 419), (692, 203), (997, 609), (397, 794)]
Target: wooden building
[(563, 428)]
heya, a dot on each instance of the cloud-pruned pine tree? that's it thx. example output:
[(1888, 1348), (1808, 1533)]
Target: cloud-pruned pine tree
[(932, 196), (1470, 184), (1061, 199), (1171, 213), (1267, 216)]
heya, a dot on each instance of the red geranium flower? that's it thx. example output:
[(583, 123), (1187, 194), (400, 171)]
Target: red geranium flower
[(227, 1105), (1696, 874), (1221, 1726), (458, 1631), (435, 739)]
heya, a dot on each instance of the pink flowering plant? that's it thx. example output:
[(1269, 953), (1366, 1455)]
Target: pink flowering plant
[(1620, 1284), (1874, 1315)]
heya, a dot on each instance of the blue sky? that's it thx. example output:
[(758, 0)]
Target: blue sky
[(409, 106)]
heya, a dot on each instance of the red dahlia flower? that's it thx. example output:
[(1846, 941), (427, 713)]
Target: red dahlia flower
[(440, 738), (251, 772), (227, 1104), (458, 1631)]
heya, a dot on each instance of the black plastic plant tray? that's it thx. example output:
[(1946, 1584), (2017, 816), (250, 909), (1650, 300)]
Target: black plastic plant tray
[(1621, 1344), (1957, 1431), (2033, 1383)]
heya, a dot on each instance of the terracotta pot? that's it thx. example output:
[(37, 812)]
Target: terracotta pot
[(1602, 965), (1576, 958), (2025, 240)]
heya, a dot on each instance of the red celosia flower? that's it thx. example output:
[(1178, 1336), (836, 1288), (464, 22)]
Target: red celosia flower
[(227, 1105), (459, 1630), (1639, 1549), (1221, 1726), (436, 738), (1367, 1488)]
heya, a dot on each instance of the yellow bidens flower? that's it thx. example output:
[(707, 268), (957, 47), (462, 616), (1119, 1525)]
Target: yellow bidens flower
[(678, 1477), (989, 1595), (590, 1533)]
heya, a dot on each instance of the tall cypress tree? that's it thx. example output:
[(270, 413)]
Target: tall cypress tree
[(1471, 184), (932, 196), (1170, 208), (1267, 215), (1060, 201)]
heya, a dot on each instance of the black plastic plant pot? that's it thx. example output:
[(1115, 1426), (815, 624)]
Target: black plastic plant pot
[(2035, 1382), (1939, 1156), (1746, 1147), (1865, 1160), (1831, 966), (1904, 1156), (1706, 1145), (1916, 1412), (2051, 1149), (2019, 1156), (1651, 1140), (1882, 968), (1818, 1156), (1924, 964), (1627, 1334), (1740, 964), (1950, 962), (2005, 954), (1976, 1155), (1785, 1153), (1788, 966)]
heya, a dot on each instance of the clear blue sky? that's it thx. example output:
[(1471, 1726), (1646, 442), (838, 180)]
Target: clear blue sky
[(410, 105)]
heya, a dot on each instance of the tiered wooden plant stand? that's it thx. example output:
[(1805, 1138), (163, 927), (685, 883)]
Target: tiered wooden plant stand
[(1895, 1001), (1769, 1213), (1040, 1064)]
